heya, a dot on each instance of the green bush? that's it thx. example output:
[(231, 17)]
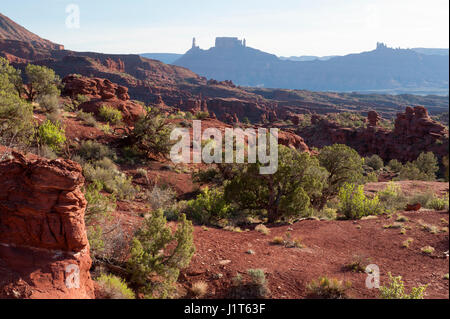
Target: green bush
[(395, 166), (255, 288), (88, 118), (158, 254), (49, 103), (354, 204), (396, 290), (110, 114), (209, 207), (151, 134), (113, 287), (437, 203), (374, 161), (93, 151), (99, 206), (113, 181), (392, 198), (202, 115), (52, 135)]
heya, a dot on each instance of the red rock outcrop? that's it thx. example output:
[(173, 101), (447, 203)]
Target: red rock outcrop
[(44, 251), (414, 132), (102, 92)]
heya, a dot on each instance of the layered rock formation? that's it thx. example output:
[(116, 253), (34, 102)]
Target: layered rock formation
[(102, 92), (414, 132), (44, 251)]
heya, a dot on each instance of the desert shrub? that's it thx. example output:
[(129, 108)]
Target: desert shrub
[(395, 166), (52, 135), (210, 175), (327, 288), (160, 197), (422, 198), (80, 98), (113, 287), (93, 151), (49, 103), (158, 254), (396, 290), (371, 177), (261, 228), (392, 198), (110, 114), (354, 204), (358, 264), (202, 115), (199, 289), (99, 206), (88, 118), (209, 207), (374, 161), (286, 193), (437, 203), (344, 165), (151, 134), (113, 181), (254, 288)]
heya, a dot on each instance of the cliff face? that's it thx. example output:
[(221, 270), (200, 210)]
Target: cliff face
[(44, 251)]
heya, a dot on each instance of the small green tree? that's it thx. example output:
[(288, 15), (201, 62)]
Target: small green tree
[(41, 81), (11, 75), (445, 165), (151, 134), (427, 163), (157, 254), (344, 165), (283, 194)]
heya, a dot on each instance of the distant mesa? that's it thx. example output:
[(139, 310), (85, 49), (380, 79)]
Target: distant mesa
[(383, 70)]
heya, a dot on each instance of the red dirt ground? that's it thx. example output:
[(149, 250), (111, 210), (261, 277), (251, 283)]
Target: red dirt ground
[(329, 246)]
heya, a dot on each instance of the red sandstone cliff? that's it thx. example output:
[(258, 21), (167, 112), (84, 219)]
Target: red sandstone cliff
[(44, 251)]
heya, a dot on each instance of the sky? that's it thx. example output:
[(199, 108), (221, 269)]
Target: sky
[(283, 27)]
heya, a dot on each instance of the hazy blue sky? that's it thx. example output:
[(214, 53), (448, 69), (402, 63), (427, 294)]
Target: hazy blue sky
[(284, 27)]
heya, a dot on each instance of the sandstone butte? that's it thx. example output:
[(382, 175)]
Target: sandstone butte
[(414, 132), (44, 250)]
